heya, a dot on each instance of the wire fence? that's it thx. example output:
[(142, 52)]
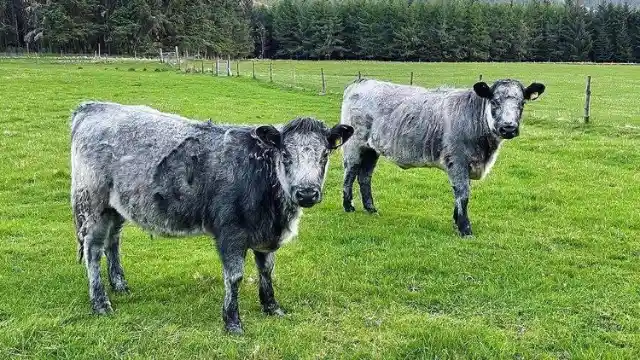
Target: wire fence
[(314, 76)]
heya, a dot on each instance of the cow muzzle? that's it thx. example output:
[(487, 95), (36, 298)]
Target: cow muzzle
[(307, 196), (508, 131)]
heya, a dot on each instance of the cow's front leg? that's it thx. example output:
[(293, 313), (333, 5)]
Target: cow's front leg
[(264, 263), (460, 182), (232, 251)]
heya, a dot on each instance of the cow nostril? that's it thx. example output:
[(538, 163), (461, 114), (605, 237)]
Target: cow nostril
[(509, 128), (307, 195)]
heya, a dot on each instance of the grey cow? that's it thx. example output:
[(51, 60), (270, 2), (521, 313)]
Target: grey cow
[(456, 130), (243, 185)]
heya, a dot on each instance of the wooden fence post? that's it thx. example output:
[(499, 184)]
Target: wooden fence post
[(253, 69), (480, 77), (587, 102), (411, 80), (217, 66), (202, 64), (324, 86), (99, 50), (359, 76), (178, 56), (238, 68), (161, 57), (270, 71), (228, 65)]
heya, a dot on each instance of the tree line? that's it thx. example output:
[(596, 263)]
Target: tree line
[(133, 27), (409, 30)]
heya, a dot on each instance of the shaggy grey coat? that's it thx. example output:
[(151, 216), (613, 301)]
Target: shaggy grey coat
[(456, 130), (243, 185)]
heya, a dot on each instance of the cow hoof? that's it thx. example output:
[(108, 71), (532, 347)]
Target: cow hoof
[(123, 290), (466, 233), (372, 211), (275, 312), (102, 308), (120, 288), (234, 329), (349, 208)]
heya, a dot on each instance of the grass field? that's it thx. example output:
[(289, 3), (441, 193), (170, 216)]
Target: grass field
[(553, 271)]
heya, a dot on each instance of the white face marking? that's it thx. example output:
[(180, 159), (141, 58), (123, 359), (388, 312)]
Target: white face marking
[(283, 179), (491, 122)]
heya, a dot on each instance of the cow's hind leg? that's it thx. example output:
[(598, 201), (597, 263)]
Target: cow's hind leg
[(264, 263), (368, 161), (97, 226), (351, 162), (112, 251)]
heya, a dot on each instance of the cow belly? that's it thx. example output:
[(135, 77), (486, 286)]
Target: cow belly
[(408, 157), (155, 215)]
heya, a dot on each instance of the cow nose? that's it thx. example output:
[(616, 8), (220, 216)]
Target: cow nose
[(509, 130), (307, 195)]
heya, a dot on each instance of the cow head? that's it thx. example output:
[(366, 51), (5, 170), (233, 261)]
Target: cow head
[(506, 99), (302, 149)]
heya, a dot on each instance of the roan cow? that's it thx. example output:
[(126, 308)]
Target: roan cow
[(172, 176), (456, 130)]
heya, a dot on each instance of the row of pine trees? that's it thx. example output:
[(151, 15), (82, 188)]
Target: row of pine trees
[(409, 30)]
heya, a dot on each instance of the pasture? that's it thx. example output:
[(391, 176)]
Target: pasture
[(553, 271)]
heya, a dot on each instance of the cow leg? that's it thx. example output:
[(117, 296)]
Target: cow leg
[(232, 251), (264, 263), (97, 229), (351, 169), (460, 183), (112, 251), (368, 161)]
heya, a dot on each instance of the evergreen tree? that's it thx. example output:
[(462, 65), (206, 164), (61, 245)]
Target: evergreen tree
[(351, 17), (285, 28), (619, 34), (325, 29), (475, 40), (634, 34), (541, 42), (602, 49), (576, 40), (407, 36), (501, 36)]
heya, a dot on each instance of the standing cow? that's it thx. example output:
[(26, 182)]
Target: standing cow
[(456, 130), (243, 185)]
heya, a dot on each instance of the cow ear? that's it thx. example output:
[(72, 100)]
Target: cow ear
[(338, 135), (483, 90), (533, 91), (267, 136)]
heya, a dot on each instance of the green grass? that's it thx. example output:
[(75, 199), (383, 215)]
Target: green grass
[(552, 273)]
